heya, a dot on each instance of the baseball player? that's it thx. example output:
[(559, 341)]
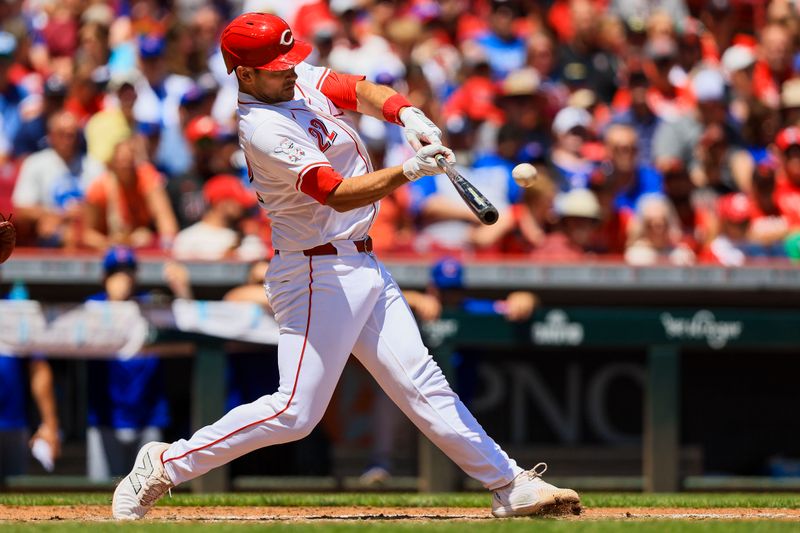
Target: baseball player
[(330, 294)]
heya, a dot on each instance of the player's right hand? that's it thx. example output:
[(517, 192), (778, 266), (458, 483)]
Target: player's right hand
[(424, 164), (419, 129)]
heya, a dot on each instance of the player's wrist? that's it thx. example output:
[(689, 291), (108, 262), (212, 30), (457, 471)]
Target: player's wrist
[(411, 169), (393, 108)]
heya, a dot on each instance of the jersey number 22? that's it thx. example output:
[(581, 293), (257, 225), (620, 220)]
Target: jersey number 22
[(319, 130)]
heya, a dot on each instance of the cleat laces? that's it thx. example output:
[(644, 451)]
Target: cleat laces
[(536, 471)]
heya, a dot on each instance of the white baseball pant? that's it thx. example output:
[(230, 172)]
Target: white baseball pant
[(327, 307)]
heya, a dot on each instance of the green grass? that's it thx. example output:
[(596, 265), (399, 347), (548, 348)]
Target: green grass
[(507, 526), (598, 499)]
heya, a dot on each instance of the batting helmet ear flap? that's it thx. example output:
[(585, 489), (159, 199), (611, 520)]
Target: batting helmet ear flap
[(261, 41)]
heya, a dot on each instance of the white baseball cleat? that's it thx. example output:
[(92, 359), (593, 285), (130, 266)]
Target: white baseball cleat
[(529, 494), (147, 482)]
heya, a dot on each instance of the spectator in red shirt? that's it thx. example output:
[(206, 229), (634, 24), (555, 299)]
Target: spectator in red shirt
[(86, 94), (534, 215), (667, 100), (471, 105), (678, 187), (768, 225), (720, 19), (611, 234), (774, 65), (787, 186)]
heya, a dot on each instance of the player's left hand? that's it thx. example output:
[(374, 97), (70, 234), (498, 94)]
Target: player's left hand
[(424, 161), (418, 129)]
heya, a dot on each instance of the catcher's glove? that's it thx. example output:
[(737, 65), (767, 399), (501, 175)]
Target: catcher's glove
[(8, 238)]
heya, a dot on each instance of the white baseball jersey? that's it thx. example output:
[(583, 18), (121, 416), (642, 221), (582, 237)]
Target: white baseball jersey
[(282, 143)]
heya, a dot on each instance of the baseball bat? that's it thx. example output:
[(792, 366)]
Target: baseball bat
[(475, 200)]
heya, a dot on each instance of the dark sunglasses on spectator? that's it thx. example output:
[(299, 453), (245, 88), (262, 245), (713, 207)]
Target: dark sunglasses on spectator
[(675, 174), (204, 142), (664, 63), (657, 223), (628, 148), (637, 79), (581, 131), (793, 151), (64, 133)]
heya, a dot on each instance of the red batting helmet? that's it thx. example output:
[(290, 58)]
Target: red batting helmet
[(262, 41)]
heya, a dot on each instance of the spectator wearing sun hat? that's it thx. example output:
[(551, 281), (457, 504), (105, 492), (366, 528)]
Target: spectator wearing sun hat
[(217, 234), (578, 213)]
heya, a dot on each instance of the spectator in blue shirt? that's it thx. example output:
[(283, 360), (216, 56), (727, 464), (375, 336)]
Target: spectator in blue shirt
[(32, 134), (505, 51), (621, 172)]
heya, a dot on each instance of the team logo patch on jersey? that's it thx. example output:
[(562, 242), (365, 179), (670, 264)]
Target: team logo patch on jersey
[(292, 151)]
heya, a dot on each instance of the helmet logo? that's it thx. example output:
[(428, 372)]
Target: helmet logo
[(286, 37)]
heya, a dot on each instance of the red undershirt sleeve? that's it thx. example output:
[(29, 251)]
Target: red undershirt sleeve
[(319, 181), (341, 89)]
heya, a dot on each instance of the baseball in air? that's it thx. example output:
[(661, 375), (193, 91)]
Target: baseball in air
[(524, 174)]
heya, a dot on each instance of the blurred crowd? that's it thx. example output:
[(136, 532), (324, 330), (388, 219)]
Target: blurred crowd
[(664, 131)]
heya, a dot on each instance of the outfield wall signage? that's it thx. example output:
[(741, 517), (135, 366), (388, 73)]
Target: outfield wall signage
[(702, 326), (557, 330)]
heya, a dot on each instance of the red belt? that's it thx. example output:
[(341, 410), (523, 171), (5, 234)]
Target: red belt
[(328, 248)]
